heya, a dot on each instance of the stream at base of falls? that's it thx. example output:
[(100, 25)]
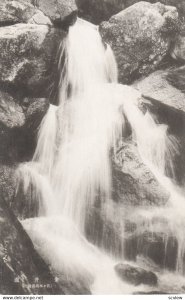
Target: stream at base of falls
[(71, 171)]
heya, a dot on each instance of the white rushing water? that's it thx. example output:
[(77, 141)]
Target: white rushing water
[(71, 168)]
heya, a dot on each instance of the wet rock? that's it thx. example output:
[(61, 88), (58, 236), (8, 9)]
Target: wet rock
[(133, 182), (158, 87), (97, 11), (23, 205), (160, 247), (134, 186), (105, 227), (163, 96), (28, 55), (141, 37), (153, 234), (7, 182), (135, 275), (35, 110), (11, 118), (178, 52), (19, 122), (23, 270), (26, 138)]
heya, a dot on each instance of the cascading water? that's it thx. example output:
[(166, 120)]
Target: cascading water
[(157, 150), (71, 169)]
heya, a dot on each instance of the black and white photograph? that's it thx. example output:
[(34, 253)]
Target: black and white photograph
[(92, 148)]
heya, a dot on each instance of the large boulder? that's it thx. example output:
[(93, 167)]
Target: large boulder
[(97, 11), (28, 55), (133, 182), (22, 269), (141, 37), (135, 275)]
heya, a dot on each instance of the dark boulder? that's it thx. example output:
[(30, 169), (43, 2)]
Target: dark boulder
[(135, 275), (34, 110), (19, 121), (12, 118)]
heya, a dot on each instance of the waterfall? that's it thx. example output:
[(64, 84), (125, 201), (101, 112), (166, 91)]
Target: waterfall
[(71, 174)]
